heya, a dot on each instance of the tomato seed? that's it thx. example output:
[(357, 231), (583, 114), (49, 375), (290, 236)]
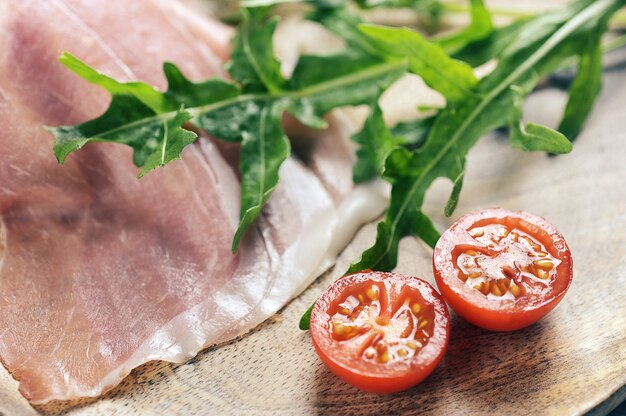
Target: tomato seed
[(495, 289), (542, 274), (344, 311), (485, 288), (545, 264), (515, 290), (342, 331), (416, 308), (372, 293), (508, 272)]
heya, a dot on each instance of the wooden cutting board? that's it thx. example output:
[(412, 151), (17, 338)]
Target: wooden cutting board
[(572, 362)]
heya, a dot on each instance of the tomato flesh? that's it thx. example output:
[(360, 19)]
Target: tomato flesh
[(502, 270), (381, 332)]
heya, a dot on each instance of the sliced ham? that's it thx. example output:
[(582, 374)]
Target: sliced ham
[(101, 272)]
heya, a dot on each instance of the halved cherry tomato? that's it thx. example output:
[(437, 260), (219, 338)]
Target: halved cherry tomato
[(502, 270), (380, 332)]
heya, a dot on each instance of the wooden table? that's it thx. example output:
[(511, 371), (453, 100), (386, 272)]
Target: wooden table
[(572, 362)]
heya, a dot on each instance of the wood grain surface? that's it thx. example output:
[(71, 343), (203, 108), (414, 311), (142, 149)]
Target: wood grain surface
[(569, 363)]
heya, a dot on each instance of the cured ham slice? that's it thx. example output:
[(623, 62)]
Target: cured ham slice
[(101, 272)]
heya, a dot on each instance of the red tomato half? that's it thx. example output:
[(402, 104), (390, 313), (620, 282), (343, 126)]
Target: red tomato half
[(502, 270), (380, 332)]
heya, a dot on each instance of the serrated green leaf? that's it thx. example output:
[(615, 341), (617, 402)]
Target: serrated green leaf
[(376, 142), (305, 319), (345, 25), (533, 137), (480, 27), (413, 133), (383, 255), (180, 90), (219, 108), (140, 116), (253, 63), (454, 79), (453, 200), (424, 227), (462, 123), (585, 88), (171, 144), (479, 52), (143, 92), (263, 149), (313, 69), (143, 117), (324, 90), (128, 121), (355, 80)]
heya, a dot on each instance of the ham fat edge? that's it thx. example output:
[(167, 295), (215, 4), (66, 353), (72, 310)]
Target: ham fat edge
[(101, 272)]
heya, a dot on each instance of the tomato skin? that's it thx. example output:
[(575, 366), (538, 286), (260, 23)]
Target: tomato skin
[(494, 314), (375, 377)]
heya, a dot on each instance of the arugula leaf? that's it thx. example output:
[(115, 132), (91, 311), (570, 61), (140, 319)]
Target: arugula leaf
[(136, 111), (191, 94), (478, 52), (305, 319), (345, 25), (248, 110), (312, 92), (414, 133), (341, 22), (376, 142), (494, 102), (264, 147), (175, 139), (480, 27), (253, 63), (533, 137), (150, 97), (454, 79), (585, 88)]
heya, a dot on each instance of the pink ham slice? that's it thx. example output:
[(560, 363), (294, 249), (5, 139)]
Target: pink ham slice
[(100, 272)]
